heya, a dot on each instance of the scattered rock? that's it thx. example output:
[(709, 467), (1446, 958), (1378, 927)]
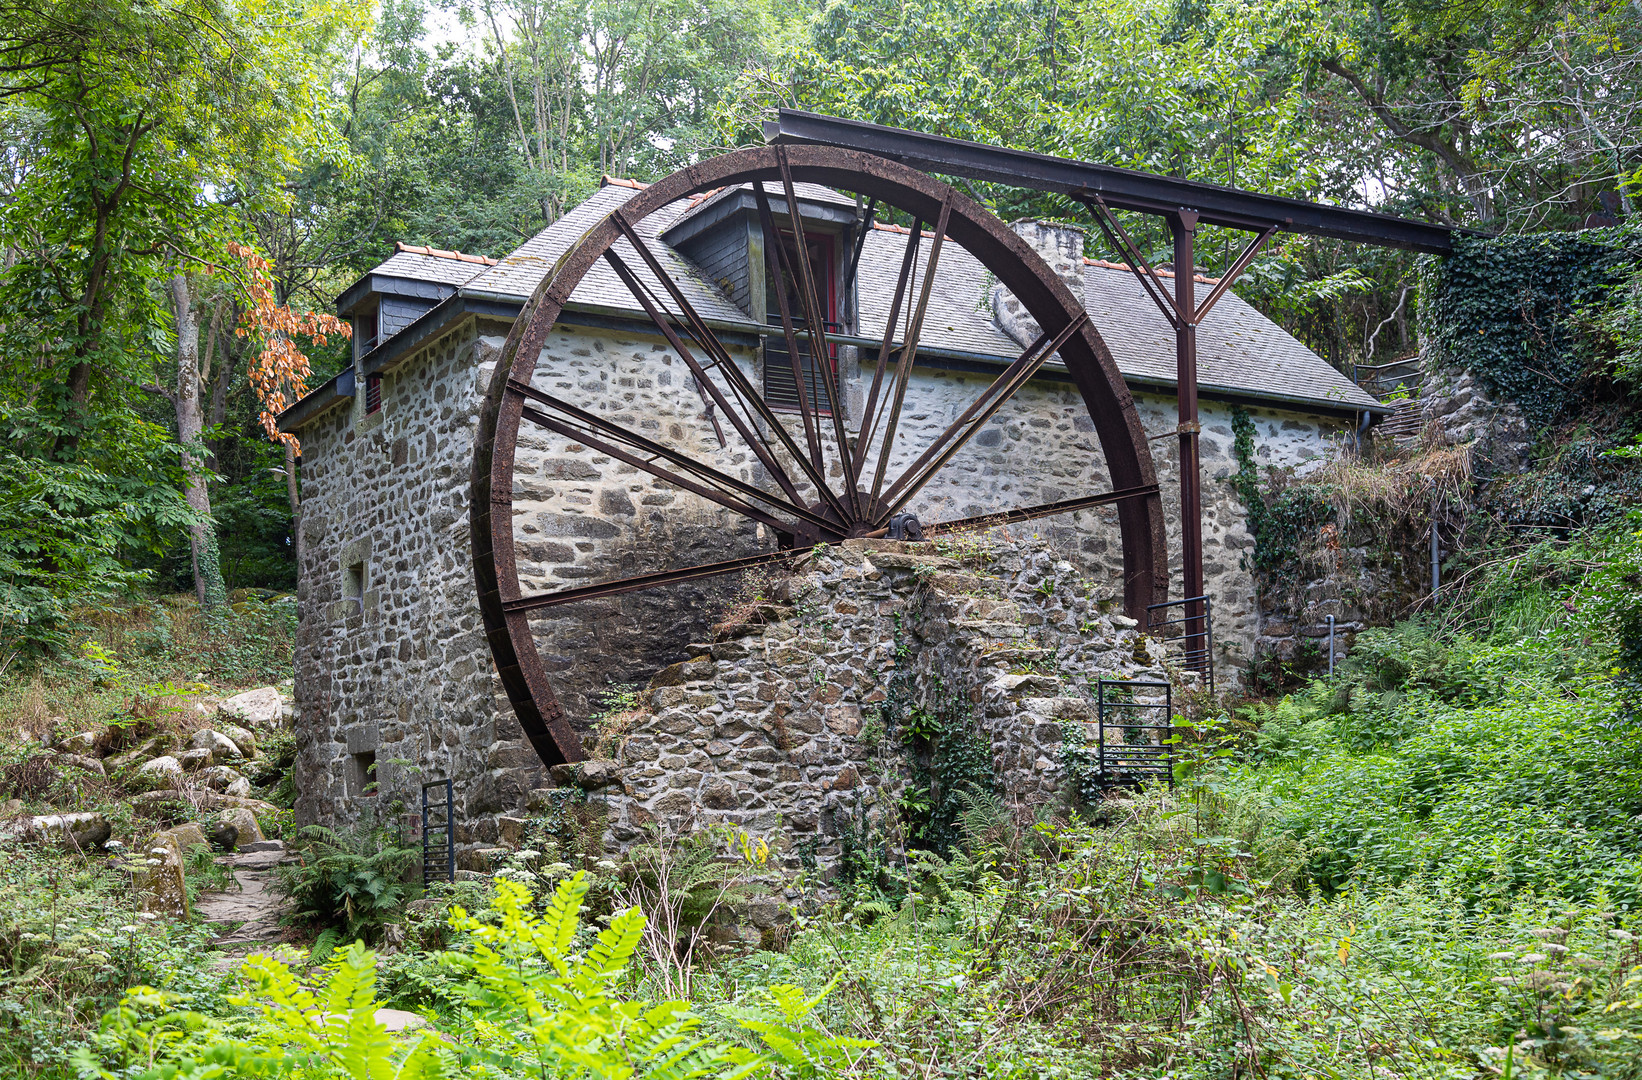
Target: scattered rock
[(11, 808), (218, 777), (84, 742), (193, 760), (396, 1020), (82, 831), (159, 878), (246, 830), (222, 836), (161, 772), (78, 761), (149, 748), (260, 708), (210, 800), (222, 749), (188, 835), (242, 737)]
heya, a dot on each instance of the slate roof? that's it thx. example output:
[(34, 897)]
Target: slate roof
[(432, 264), (1239, 350)]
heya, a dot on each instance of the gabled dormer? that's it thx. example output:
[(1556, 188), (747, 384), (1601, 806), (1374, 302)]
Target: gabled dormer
[(720, 233), (396, 293)]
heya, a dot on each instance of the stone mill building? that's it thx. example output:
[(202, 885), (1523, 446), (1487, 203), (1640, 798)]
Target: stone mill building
[(395, 684)]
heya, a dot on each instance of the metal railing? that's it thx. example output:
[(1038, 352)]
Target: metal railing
[(1188, 640), (1143, 728), (438, 819)]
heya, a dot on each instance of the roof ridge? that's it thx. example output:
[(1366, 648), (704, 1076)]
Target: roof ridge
[(621, 181), (441, 253), (1103, 264)]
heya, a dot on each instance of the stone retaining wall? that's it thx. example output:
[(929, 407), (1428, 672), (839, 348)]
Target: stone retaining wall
[(781, 728)]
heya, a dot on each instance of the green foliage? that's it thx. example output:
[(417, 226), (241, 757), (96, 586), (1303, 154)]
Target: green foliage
[(1279, 521), (1513, 310), (352, 879)]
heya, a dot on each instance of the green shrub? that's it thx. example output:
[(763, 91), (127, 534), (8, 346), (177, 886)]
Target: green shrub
[(354, 880)]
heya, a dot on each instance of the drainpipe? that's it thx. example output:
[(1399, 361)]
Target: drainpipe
[(1362, 428), (1330, 619), (1436, 565)]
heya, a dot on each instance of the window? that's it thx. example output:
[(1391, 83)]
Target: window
[(353, 585), (373, 394), (780, 388), (364, 773)]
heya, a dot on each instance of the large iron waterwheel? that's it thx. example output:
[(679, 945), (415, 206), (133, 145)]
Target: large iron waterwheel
[(795, 476)]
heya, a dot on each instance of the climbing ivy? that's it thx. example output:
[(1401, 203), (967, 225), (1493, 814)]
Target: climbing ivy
[(1518, 312), (1278, 520)]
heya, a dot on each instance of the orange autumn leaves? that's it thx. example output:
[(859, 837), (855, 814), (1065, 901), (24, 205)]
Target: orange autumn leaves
[(279, 372)]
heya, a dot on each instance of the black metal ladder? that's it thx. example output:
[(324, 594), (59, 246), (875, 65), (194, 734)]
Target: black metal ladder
[(1192, 649), (438, 819), (1143, 728)]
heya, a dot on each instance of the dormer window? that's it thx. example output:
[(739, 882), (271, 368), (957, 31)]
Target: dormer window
[(780, 382)]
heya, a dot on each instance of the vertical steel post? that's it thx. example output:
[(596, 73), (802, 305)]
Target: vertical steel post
[(1330, 619), (1183, 224)]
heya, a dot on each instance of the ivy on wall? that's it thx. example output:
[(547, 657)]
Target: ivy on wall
[(1517, 312), (1280, 520)]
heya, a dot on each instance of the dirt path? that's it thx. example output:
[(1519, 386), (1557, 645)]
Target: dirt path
[(256, 906)]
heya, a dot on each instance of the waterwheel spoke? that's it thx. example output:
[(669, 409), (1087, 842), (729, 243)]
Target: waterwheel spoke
[(708, 386), (909, 348), (775, 257), (642, 453), (639, 582), (1028, 513), (814, 314), (725, 363), (982, 409), (869, 414)]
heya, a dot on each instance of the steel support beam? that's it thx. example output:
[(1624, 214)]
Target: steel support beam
[(1124, 189)]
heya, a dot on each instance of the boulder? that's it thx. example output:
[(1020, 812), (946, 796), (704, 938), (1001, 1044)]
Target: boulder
[(210, 800), (188, 835), (223, 749), (79, 761), (260, 708), (150, 747), (239, 789), (84, 742), (244, 825), (161, 772), (242, 738), (194, 760), (159, 877), (11, 808), (78, 831), (218, 777)]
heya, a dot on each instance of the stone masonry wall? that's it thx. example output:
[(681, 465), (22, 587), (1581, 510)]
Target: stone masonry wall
[(393, 673), (780, 728)]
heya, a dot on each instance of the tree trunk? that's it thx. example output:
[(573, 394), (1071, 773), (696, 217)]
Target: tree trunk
[(202, 540), (292, 492)]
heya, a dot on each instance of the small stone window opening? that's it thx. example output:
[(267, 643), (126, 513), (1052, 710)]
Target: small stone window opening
[(373, 394), (353, 584), (364, 773)]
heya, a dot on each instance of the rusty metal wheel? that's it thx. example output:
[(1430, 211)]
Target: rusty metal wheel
[(779, 478)]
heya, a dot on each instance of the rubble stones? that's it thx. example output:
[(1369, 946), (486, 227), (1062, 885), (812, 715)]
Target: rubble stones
[(260, 708), (77, 761), (243, 824), (82, 832), (148, 748), (84, 742), (222, 749), (161, 772)]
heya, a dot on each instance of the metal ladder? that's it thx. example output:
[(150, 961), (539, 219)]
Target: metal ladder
[(438, 819), (1136, 753), (1192, 650)]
